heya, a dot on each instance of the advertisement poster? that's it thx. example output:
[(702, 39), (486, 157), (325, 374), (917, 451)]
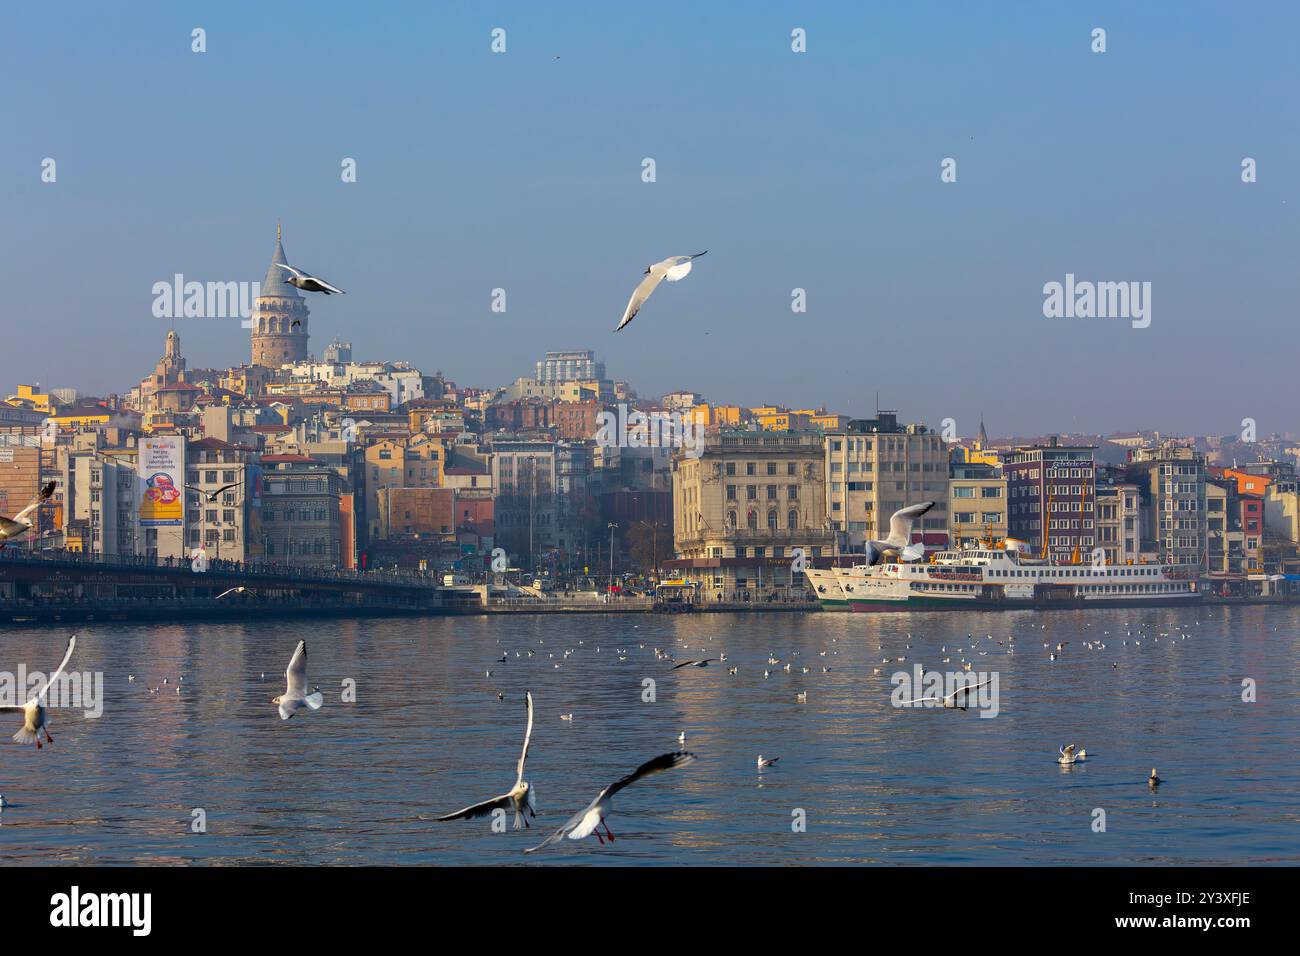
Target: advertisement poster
[(161, 468)]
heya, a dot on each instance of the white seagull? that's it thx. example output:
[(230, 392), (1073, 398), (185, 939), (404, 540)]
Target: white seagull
[(21, 523), (763, 764), (584, 823), (295, 696), (674, 268), (308, 282), (34, 710), (900, 535), (1068, 756), (950, 700), (520, 795), (237, 590)]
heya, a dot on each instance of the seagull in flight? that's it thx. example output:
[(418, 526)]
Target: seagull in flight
[(703, 663), (34, 710), (238, 590), (950, 700), (308, 282), (520, 796), (212, 496), (21, 523), (586, 821), (674, 269), (900, 535), (295, 696)]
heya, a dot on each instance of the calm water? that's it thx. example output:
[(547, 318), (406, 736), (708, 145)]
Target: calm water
[(350, 783)]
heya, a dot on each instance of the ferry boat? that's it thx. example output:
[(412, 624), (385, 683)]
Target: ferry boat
[(999, 577)]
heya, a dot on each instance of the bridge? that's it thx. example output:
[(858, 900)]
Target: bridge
[(56, 585)]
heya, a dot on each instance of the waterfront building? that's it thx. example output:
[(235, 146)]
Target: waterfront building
[(741, 509), (1051, 499), (302, 504), (219, 527), (1171, 479), (1119, 521), (977, 505), (876, 466)]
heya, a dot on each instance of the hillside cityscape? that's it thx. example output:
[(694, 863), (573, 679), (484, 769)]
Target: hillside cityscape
[(341, 462)]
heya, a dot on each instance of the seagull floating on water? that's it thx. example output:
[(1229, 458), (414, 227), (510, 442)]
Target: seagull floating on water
[(765, 763), (1068, 756)]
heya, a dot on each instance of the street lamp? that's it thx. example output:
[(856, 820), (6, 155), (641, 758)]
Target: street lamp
[(612, 528)]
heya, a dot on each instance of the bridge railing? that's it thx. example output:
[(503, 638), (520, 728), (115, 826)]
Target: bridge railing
[(243, 569)]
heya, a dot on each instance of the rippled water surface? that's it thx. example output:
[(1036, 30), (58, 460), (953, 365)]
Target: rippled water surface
[(359, 782)]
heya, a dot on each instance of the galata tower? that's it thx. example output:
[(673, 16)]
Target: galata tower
[(279, 317)]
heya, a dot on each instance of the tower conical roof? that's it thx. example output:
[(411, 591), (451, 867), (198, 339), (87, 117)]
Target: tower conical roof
[(274, 283)]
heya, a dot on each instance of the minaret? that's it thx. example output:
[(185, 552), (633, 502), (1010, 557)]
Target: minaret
[(279, 316)]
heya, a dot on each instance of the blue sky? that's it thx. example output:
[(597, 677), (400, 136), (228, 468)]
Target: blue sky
[(816, 170)]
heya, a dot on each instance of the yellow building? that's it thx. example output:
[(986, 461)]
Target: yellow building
[(28, 397), (414, 462)]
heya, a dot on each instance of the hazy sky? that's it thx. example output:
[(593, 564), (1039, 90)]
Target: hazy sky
[(817, 170)]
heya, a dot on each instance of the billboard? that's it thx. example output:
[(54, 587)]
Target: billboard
[(160, 466)]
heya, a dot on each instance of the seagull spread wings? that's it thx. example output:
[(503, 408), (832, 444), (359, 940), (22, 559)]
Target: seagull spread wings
[(39, 696), (506, 800), (674, 269), (900, 523), (950, 700), (584, 822), (20, 522), (295, 695), (308, 277)]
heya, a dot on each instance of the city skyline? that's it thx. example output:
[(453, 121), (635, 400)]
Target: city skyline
[(529, 180)]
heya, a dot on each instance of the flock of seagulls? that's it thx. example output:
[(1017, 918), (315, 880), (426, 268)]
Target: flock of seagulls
[(521, 797)]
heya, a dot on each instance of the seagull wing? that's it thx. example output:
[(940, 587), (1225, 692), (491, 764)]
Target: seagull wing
[(67, 655), (233, 484), (642, 293), (325, 285), (967, 689), (295, 675), (528, 735), (683, 664), (41, 497), (679, 267), (479, 809), (569, 826), (298, 272), (663, 762), (10, 528), (900, 523)]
